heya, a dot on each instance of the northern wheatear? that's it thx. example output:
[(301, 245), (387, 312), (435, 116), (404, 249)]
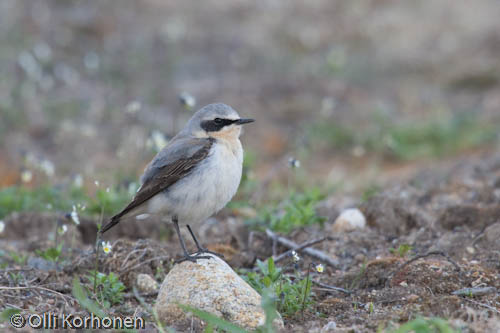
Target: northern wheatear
[(195, 175)]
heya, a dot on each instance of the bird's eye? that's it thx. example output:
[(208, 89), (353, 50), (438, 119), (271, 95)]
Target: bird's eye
[(218, 121)]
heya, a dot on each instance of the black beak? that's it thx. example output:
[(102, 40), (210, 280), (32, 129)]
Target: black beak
[(244, 121)]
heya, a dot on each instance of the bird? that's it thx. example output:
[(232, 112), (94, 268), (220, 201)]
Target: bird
[(194, 176)]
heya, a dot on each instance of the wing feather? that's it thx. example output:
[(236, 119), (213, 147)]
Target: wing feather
[(170, 165)]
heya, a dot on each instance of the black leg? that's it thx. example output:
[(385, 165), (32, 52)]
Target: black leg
[(201, 249), (187, 256)]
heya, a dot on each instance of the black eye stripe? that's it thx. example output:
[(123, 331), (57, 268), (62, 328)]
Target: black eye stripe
[(216, 124)]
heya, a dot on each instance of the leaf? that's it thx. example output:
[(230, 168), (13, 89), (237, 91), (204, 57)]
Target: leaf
[(213, 320), (84, 300), (7, 313)]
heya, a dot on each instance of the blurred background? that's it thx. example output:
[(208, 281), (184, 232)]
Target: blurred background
[(361, 93)]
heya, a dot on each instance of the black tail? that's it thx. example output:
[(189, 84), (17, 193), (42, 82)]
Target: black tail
[(114, 221)]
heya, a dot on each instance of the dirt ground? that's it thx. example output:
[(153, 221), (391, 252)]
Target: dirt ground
[(450, 220)]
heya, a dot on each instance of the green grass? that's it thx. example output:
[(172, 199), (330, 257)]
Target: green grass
[(409, 140), (54, 198), (290, 295), (424, 325), (298, 210)]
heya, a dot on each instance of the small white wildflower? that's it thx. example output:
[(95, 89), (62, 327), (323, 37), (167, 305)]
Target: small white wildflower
[(293, 163), (49, 206), (157, 141), (107, 189), (96, 182), (106, 247), (187, 100), (74, 216), (295, 257), (133, 107), (2, 226), (319, 268), (91, 61), (47, 167), (26, 176), (63, 229), (78, 181)]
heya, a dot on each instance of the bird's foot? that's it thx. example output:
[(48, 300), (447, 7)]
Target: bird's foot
[(202, 250), (192, 258)]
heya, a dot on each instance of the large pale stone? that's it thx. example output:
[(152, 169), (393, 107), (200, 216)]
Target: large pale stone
[(209, 285)]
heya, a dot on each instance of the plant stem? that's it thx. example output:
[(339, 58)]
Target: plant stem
[(305, 290)]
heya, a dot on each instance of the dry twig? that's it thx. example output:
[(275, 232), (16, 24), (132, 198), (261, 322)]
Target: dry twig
[(310, 252), (301, 247), (328, 287)]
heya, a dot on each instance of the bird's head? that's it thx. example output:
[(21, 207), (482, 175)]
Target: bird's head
[(219, 121)]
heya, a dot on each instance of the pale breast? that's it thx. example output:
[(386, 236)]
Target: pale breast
[(208, 188)]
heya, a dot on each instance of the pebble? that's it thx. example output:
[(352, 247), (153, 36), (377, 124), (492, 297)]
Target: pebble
[(349, 220), (146, 284)]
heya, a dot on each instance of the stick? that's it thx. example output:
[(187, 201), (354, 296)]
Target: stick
[(327, 286), (440, 253), (311, 252), (483, 305), (301, 247), (476, 291)]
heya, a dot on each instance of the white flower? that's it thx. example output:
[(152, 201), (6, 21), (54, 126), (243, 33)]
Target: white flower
[(187, 100), (106, 247), (47, 167), (295, 257), (293, 163), (319, 268), (107, 189), (63, 229), (157, 141), (74, 216), (26, 176), (2, 226), (133, 107), (96, 182), (78, 181)]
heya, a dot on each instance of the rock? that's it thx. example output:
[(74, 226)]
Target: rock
[(146, 284), (330, 327), (209, 285), (349, 220)]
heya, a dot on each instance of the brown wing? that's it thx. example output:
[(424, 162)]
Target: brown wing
[(163, 177)]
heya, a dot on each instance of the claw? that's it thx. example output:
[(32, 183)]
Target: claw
[(191, 258)]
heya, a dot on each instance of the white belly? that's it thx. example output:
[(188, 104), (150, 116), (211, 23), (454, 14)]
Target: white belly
[(208, 188)]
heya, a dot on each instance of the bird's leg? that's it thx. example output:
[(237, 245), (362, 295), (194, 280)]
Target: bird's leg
[(187, 256), (201, 249)]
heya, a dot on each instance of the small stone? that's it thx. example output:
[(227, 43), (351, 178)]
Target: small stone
[(330, 327), (146, 284), (470, 249), (403, 284), (360, 257), (413, 298), (209, 285), (349, 220)]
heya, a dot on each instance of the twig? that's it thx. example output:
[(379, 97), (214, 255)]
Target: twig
[(477, 291), (301, 247), (320, 255), (439, 253), (326, 286), (483, 305), (126, 269), (38, 288)]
